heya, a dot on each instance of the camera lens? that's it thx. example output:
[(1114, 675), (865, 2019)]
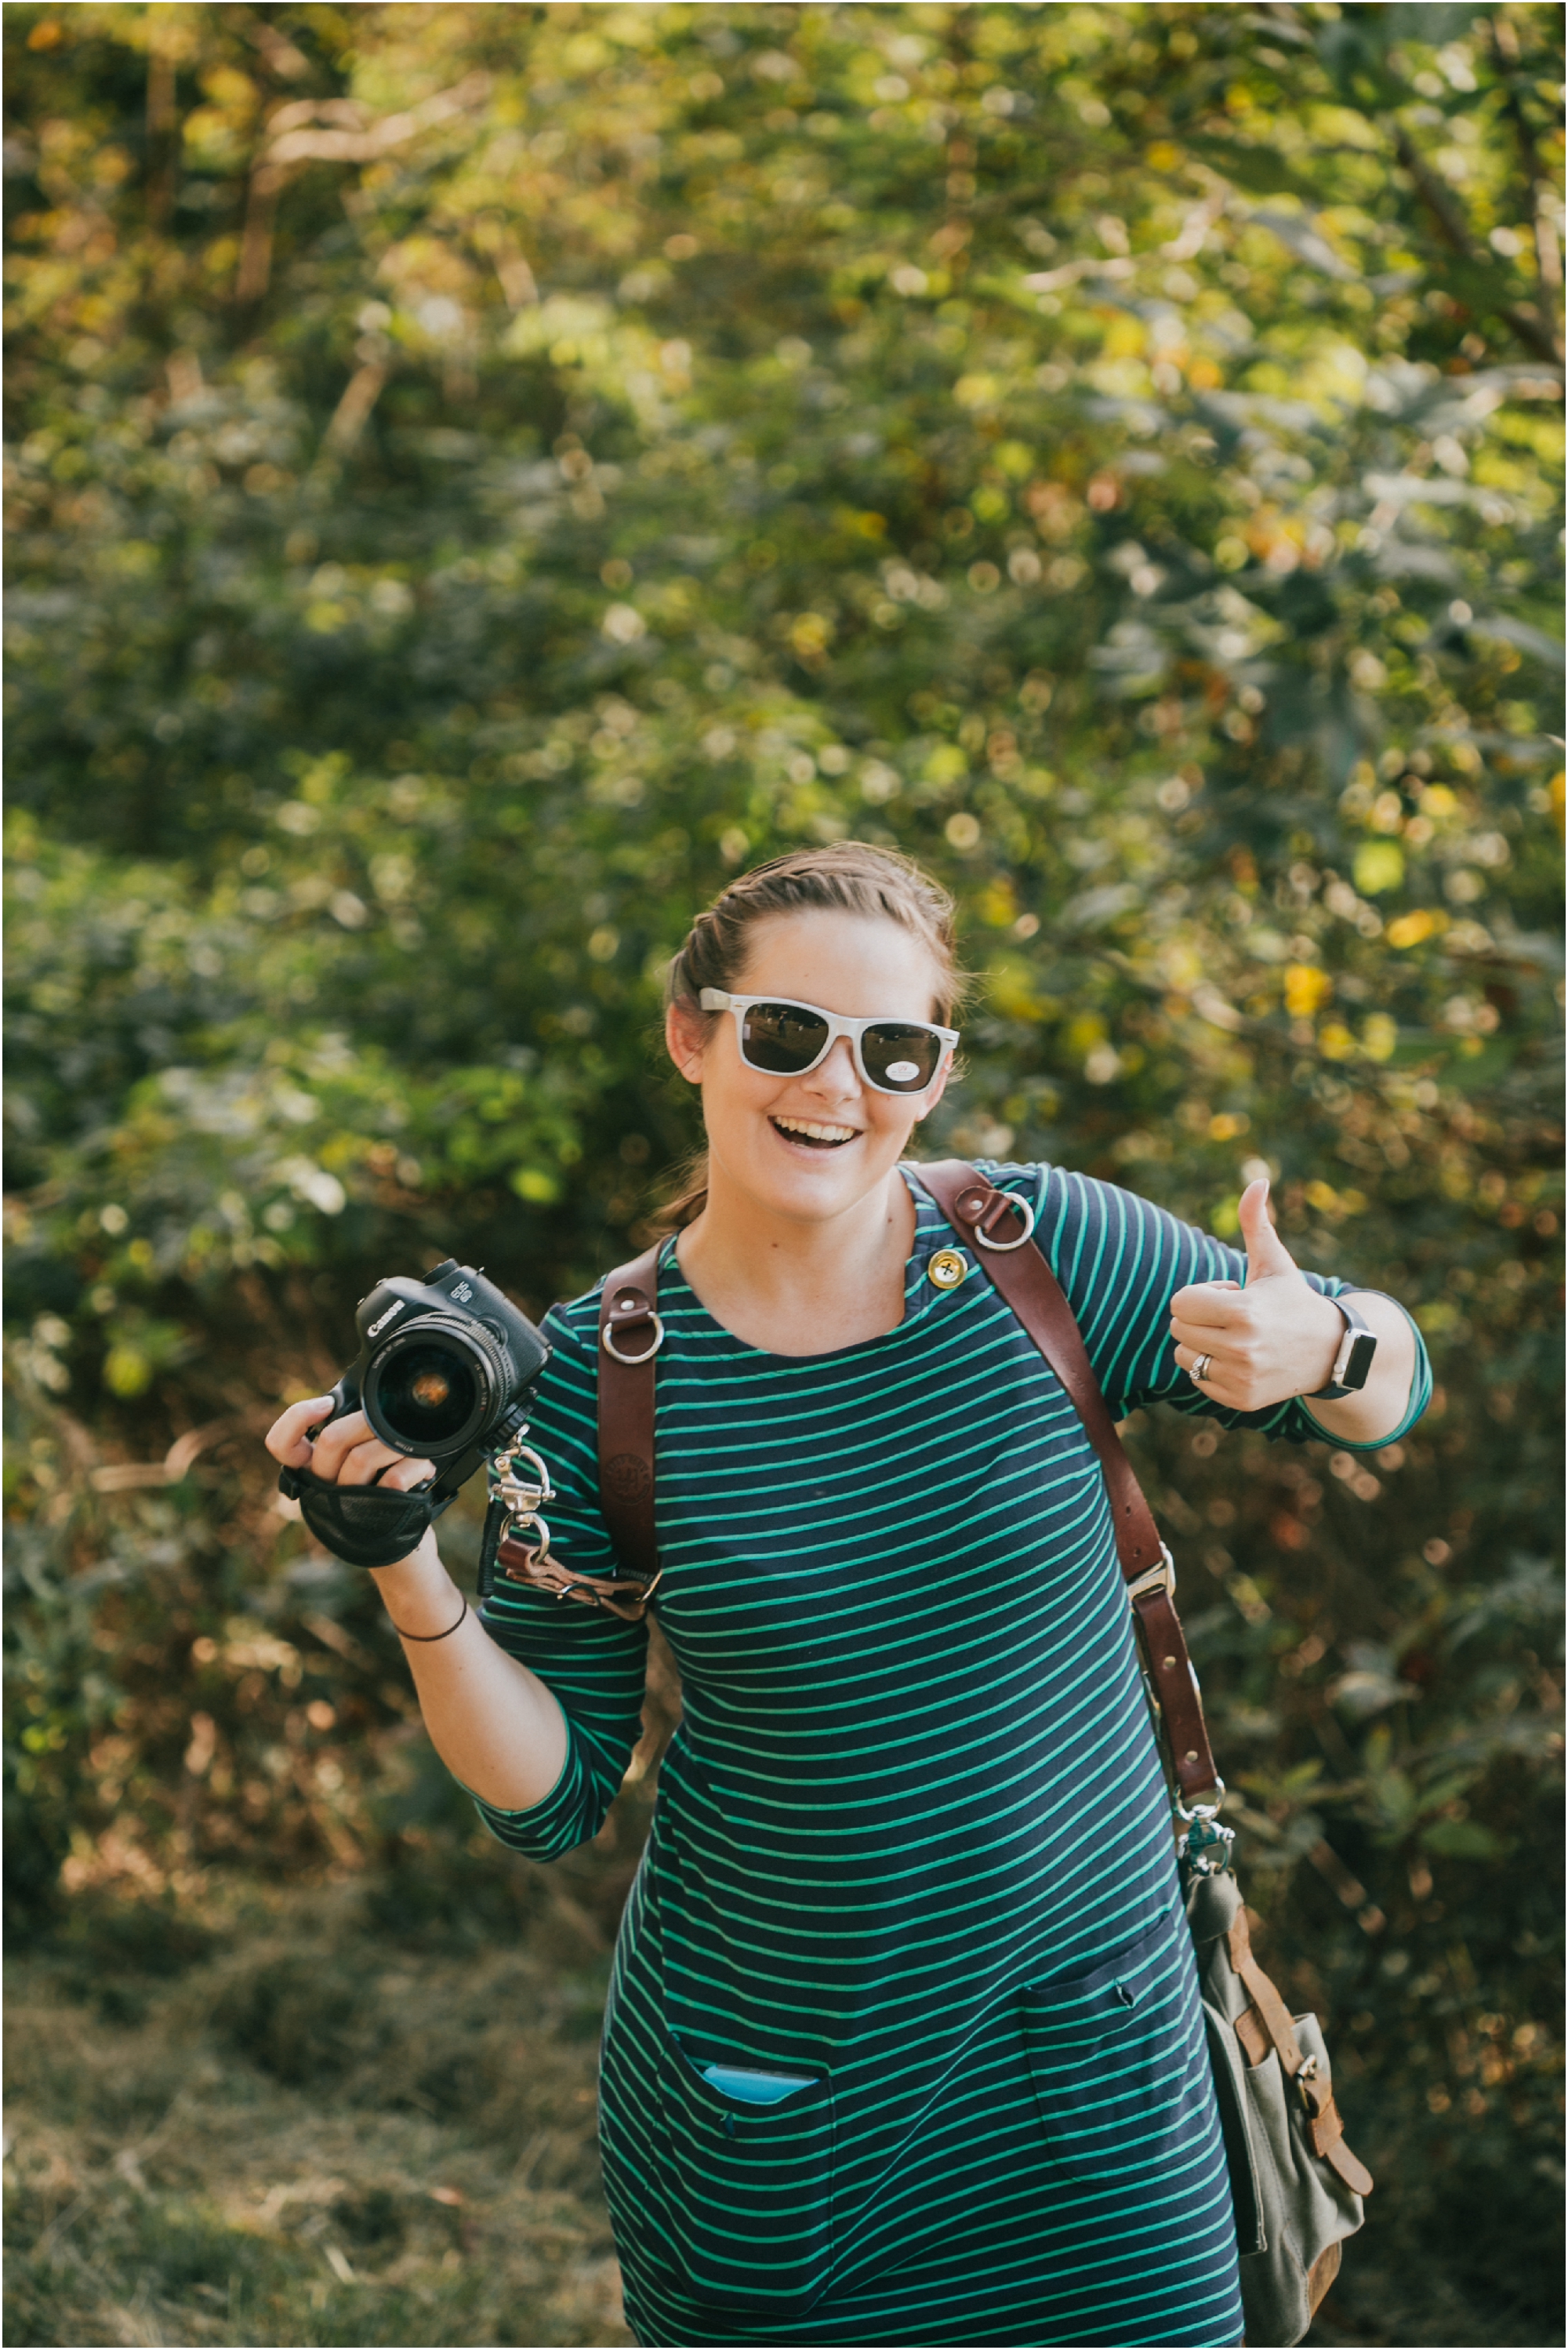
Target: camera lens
[(430, 1390)]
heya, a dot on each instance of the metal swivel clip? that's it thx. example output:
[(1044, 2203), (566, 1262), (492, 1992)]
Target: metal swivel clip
[(520, 1488), (1206, 1845), (521, 1483)]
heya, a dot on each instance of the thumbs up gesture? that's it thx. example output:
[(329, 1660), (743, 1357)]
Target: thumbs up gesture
[(1251, 1348)]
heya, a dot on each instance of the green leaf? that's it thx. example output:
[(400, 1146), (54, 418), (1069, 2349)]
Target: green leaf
[(1464, 1840)]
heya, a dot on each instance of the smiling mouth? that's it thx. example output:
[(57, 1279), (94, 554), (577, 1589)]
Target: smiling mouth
[(811, 1135)]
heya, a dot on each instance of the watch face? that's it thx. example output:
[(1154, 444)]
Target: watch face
[(1363, 1347)]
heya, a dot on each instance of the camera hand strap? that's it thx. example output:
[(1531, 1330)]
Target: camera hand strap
[(364, 1525)]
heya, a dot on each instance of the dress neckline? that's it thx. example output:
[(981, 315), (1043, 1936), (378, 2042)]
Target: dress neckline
[(918, 1294)]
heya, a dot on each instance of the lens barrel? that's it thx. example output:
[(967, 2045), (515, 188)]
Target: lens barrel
[(434, 1386)]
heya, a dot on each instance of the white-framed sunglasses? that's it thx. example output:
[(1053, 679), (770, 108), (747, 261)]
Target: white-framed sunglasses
[(786, 1039)]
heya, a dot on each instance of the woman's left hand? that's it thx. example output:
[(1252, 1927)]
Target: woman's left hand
[(1276, 1338)]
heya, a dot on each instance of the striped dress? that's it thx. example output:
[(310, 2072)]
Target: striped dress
[(911, 1859)]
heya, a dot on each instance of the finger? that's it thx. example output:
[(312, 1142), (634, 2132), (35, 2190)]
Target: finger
[(1190, 1357), (1209, 1306), (338, 1439), (1266, 1252), (406, 1474), (364, 1464), (286, 1440), (1215, 1387)]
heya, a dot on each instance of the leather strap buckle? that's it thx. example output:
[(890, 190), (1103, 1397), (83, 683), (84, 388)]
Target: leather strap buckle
[(1155, 1578)]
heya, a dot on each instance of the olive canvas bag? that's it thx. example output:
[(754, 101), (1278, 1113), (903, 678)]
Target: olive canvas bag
[(1297, 2188)]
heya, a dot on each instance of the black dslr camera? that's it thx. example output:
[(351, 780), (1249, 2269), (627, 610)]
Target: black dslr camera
[(445, 1373)]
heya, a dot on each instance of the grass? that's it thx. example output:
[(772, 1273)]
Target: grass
[(284, 2124), (363, 2112)]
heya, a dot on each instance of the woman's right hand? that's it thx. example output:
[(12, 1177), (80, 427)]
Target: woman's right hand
[(346, 1451), (496, 1727)]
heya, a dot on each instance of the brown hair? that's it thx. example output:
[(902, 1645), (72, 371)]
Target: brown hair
[(849, 877)]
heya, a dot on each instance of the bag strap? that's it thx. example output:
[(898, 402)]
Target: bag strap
[(979, 1213), (630, 1335)]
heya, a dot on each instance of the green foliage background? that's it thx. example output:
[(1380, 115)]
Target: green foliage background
[(479, 475)]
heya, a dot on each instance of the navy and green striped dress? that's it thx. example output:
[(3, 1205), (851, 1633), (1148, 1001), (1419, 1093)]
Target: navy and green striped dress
[(911, 1851)]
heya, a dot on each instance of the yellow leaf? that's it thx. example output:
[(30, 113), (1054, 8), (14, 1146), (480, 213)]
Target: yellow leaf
[(535, 1183), (1379, 866), (126, 1371), (1411, 929), (1306, 986)]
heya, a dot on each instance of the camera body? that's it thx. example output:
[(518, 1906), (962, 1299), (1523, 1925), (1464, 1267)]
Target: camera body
[(445, 1370)]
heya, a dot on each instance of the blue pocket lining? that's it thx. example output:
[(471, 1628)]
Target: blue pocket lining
[(752, 2088)]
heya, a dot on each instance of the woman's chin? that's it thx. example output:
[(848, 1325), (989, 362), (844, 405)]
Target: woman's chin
[(794, 1179)]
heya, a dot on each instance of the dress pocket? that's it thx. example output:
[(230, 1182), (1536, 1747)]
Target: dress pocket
[(750, 2188), (1117, 2092)]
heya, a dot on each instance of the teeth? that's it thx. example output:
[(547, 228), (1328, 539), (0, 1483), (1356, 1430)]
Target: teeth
[(817, 1133)]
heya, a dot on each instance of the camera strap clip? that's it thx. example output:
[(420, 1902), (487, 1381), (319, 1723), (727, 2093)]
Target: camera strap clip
[(520, 1488), (517, 1538)]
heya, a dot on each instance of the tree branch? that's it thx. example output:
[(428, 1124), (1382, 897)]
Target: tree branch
[(1535, 332)]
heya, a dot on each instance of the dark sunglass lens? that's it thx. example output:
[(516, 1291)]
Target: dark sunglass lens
[(781, 1037), (902, 1060)]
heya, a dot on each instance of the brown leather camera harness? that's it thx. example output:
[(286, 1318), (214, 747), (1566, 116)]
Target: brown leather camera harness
[(630, 1335)]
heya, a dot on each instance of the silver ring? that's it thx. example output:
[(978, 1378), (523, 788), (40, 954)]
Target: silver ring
[(1000, 1248), (1201, 1369), (608, 1339)]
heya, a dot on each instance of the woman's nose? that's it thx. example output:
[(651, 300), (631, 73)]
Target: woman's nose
[(838, 1075)]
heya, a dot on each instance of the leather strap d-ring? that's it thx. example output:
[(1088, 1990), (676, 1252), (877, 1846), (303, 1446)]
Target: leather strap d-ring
[(606, 1340), (983, 1209), (629, 1306)]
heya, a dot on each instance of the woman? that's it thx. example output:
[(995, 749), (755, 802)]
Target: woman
[(849, 2094)]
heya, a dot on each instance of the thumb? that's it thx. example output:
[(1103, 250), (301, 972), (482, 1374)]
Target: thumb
[(1266, 1252)]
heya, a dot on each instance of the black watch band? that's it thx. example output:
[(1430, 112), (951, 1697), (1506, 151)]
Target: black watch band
[(1352, 1364)]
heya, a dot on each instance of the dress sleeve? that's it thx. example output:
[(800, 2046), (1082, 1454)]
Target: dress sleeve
[(1121, 1260), (593, 1662)]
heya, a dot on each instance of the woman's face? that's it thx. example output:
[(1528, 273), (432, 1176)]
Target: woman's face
[(811, 1146)]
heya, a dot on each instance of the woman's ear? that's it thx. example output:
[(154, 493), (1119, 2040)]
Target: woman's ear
[(686, 1039)]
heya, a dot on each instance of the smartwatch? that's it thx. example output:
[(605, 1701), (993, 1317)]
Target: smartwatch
[(1352, 1364)]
